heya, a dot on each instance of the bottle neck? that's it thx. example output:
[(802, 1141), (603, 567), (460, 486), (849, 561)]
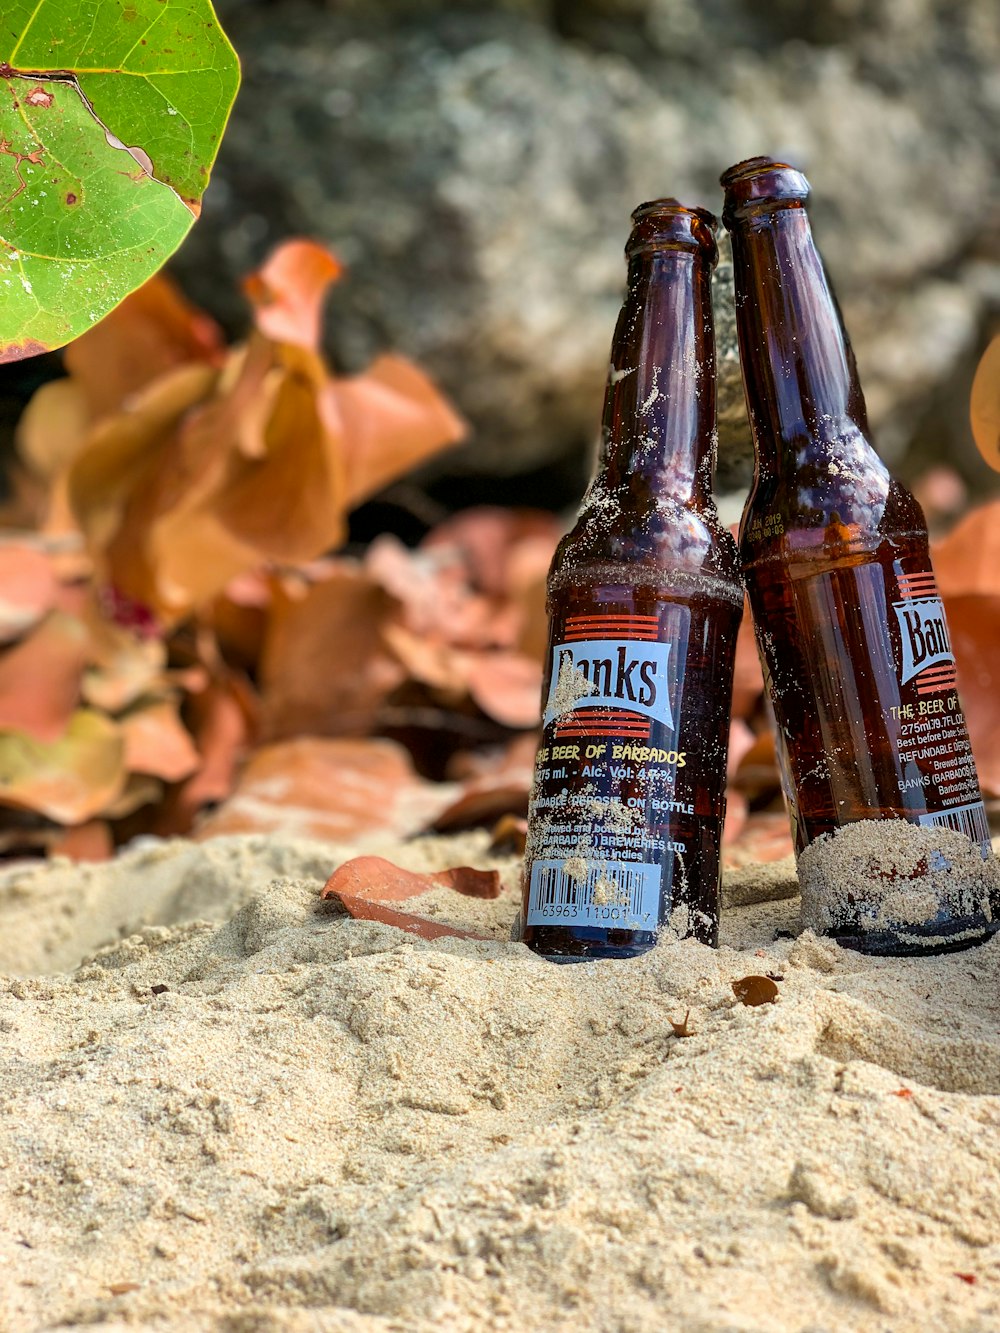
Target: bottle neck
[(659, 407), (799, 375)]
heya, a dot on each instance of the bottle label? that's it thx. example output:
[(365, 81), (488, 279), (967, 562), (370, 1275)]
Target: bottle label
[(923, 633), (932, 740), (611, 812), (610, 673)]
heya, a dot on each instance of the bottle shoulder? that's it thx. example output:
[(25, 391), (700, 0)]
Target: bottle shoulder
[(806, 515), (672, 546)]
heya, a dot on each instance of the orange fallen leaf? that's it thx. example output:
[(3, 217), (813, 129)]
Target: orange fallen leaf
[(507, 687), (984, 405), (334, 789), (391, 418), (969, 1279), (765, 836), (288, 290), (967, 561), (367, 909), (754, 990), (69, 780), (86, 842), (378, 879), (748, 682), (40, 678), (158, 743), (324, 668), (974, 623), (223, 721), (152, 332), (905, 1093), (28, 588)]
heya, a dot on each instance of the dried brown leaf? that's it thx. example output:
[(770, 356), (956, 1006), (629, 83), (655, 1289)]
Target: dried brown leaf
[(974, 623), (157, 742), (152, 332), (324, 668), (28, 588), (40, 678), (375, 878), (390, 419), (984, 406), (967, 561), (69, 780), (755, 990), (368, 909), (335, 789), (288, 291)]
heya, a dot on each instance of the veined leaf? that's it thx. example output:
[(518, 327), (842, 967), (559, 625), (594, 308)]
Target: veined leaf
[(111, 113)]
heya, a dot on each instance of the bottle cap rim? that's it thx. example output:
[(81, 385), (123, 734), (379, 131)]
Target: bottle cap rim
[(760, 184)]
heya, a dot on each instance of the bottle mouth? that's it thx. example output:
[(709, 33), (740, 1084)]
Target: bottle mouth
[(761, 184), (667, 224)]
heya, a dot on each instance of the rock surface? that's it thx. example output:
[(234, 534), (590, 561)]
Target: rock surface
[(475, 168)]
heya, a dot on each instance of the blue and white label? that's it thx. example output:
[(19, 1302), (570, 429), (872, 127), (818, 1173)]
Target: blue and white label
[(629, 674), (619, 895), (924, 634)]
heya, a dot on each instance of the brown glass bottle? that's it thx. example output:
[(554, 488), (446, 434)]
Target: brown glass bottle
[(849, 624), (644, 599)]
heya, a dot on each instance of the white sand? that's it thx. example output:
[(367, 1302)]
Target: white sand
[(324, 1124)]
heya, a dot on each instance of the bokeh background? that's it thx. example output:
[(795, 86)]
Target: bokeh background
[(474, 166)]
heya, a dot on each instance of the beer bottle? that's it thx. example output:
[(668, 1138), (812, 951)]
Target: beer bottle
[(849, 623), (644, 600)]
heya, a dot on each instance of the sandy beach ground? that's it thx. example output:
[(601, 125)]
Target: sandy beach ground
[(225, 1106)]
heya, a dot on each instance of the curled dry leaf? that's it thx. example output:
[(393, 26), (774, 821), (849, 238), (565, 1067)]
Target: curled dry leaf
[(223, 718), (748, 682), (336, 789), (152, 332), (28, 588), (86, 842), (368, 909), (40, 678), (157, 743), (375, 878), (69, 780), (984, 406), (509, 835), (967, 561), (288, 290), (390, 418), (325, 668), (974, 623), (755, 990)]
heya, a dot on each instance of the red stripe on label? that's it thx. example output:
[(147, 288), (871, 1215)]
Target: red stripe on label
[(610, 633), (936, 686)]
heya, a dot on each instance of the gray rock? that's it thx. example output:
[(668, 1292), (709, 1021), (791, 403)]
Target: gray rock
[(476, 168)]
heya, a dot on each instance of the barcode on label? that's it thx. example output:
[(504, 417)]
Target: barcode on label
[(968, 819), (616, 895)]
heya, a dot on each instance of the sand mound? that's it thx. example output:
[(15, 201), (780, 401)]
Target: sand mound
[(296, 1121)]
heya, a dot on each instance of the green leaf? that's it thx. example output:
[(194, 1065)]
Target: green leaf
[(111, 112)]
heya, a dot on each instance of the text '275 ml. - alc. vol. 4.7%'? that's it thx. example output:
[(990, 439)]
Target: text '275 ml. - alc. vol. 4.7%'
[(644, 600)]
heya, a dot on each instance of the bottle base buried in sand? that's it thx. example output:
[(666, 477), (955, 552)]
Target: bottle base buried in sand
[(897, 888), (624, 829)]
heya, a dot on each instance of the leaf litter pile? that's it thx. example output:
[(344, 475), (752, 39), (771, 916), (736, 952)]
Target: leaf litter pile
[(277, 1063)]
